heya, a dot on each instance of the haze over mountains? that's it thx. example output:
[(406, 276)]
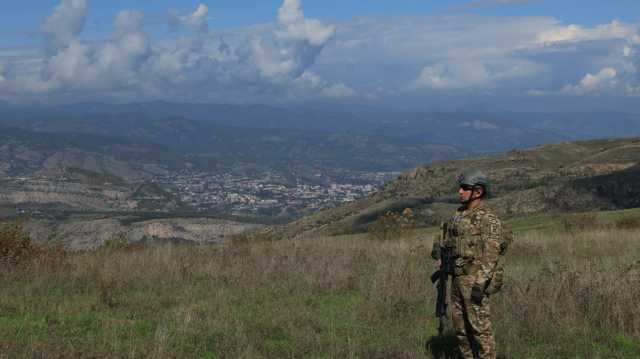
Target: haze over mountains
[(356, 137), (141, 142)]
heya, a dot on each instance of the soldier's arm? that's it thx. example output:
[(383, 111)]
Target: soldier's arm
[(491, 232)]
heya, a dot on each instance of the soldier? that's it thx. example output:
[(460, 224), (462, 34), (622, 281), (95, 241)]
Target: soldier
[(473, 235)]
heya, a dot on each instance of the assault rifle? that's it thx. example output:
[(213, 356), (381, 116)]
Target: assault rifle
[(446, 269)]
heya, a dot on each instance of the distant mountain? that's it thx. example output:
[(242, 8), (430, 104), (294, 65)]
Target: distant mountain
[(25, 151), (139, 141), (569, 176), (209, 135), (470, 132), (248, 116), (173, 143)]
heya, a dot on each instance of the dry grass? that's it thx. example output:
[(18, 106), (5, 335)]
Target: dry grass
[(572, 295), (568, 295), (581, 222)]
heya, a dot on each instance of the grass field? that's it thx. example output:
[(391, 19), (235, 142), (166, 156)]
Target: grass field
[(572, 292)]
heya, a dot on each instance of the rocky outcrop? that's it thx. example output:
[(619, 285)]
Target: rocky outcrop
[(84, 191), (78, 234), (72, 195)]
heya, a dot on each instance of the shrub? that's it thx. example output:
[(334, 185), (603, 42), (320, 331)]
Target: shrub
[(393, 224), (15, 244), (119, 241), (628, 223)]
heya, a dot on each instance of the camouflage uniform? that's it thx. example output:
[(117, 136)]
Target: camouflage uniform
[(475, 235)]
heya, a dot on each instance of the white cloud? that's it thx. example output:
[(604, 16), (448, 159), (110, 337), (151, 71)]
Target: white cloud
[(256, 63), (298, 28), (618, 72), (309, 80), (297, 58), (197, 21), (509, 64), (632, 91), (122, 58), (433, 53), (110, 65), (605, 79), (611, 48), (434, 77), (339, 91), (576, 33), (65, 24), (70, 67), (473, 73), (128, 21), (455, 76), (631, 65), (296, 46)]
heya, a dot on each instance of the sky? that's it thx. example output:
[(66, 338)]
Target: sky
[(529, 55)]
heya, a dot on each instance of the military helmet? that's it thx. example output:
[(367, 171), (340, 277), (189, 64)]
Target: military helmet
[(474, 178)]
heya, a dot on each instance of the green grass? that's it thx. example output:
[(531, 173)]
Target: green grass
[(555, 221), (569, 294)]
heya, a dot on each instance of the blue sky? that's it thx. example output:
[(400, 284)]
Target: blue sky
[(411, 52), (20, 20)]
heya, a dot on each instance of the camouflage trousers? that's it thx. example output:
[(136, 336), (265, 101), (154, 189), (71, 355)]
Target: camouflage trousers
[(471, 321)]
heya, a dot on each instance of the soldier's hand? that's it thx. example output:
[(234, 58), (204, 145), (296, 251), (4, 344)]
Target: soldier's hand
[(438, 263), (477, 293), (435, 250)]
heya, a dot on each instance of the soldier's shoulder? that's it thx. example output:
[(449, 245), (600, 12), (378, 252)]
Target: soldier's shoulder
[(488, 214)]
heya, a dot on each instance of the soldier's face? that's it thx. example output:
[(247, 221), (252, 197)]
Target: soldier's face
[(468, 194), (464, 193)]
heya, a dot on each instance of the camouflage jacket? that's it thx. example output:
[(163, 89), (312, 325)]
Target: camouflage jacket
[(474, 236)]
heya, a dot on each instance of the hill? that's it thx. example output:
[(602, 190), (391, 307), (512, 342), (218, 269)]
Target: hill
[(569, 293), (568, 176)]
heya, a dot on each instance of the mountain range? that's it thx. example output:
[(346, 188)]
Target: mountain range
[(214, 136), (131, 144)]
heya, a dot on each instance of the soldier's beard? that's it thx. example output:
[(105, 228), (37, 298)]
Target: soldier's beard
[(464, 199), (470, 199)]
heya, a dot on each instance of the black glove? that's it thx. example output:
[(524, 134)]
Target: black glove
[(436, 250), (477, 293)]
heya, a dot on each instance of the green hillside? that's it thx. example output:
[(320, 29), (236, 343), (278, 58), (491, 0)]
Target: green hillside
[(569, 176), (569, 293)]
